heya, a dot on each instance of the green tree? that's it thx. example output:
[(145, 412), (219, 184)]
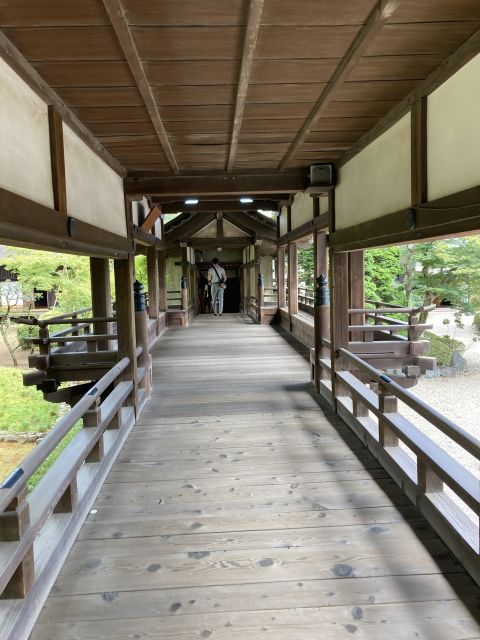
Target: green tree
[(305, 265), (447, 270), (382, 270), (67, 276)]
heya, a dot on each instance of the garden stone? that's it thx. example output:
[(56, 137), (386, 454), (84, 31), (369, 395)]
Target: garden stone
[(458, 362), (10, 438), (22, 439)]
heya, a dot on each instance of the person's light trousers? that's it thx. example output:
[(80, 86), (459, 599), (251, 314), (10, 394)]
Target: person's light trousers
[(217, 294)]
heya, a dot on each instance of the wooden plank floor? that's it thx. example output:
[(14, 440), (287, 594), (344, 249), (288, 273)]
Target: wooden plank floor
[(239, 510)]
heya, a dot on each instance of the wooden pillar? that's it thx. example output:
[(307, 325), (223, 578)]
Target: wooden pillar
[(292, 279), (322, 308), (338, 314), (152, 276), (124, 270), (101, 296), (162, 280), (260, 296), (282, 298), (356, 289)]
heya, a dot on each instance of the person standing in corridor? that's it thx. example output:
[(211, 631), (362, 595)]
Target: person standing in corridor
[(217, 278)]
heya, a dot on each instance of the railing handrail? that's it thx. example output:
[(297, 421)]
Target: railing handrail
[(18, 479), (444, 424), (389, 307)]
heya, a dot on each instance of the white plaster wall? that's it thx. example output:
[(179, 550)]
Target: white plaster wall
[(302, 209), (25, 166), (323, 204), (377, 181), (453, 134), (266, 267), (94, 190), (283, 221)]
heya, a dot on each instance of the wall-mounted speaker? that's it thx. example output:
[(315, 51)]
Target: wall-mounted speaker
[(322, 175)]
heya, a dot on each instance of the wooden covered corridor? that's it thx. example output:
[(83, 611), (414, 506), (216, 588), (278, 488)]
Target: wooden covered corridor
[(240, 508)]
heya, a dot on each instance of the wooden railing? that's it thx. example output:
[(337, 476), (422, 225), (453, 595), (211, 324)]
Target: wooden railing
[(83, 349), (306, 299), (446, 493), (174, 299), (38, 528), (271, 296)]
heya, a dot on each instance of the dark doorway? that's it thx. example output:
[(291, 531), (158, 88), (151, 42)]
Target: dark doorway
[(231, 296)]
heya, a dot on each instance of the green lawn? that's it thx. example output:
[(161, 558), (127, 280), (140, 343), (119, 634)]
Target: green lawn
[(23, 409)]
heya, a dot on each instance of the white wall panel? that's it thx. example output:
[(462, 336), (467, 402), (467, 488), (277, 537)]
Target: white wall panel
[(302, 209), (94, 190), (453, 134), (25, 166), (377, 181)]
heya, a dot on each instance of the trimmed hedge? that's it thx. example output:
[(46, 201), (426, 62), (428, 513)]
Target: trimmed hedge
[(442, 348)]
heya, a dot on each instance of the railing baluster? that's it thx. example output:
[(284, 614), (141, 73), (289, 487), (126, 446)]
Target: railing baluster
[(386, 404), (14, 523)]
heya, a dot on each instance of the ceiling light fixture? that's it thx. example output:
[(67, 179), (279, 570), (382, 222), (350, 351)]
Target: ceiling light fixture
[(191, 201), (246, 200)]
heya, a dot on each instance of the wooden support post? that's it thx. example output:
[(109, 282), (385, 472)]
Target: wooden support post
[(141, 332), (69, 499), (292, 280), (219, 225), (419, 179), (356, 290), (260, 296), (162, 281), (124, 270), (152, 276), (427, 480), (322, 301), (101, 297), (57, 158), (338, 317), (14, 522), (282, 297), (359, 409), (386, 404)]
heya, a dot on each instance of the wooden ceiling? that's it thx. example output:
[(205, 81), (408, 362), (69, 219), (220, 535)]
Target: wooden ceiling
[(209, 86)]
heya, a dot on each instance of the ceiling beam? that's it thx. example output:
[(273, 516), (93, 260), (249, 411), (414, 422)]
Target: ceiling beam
[(119, 23), (249, 45), (363, 40), (218, 184), (219, 205)]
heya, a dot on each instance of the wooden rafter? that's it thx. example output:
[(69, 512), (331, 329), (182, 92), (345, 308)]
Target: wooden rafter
[(364, 39), (124, 35), (250, 42), (151, 219)]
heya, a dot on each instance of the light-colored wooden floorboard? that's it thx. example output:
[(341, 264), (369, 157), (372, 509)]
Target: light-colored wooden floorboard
[(240, 510)]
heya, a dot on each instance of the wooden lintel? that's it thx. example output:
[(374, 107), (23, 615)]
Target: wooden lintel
[(376, 21), (217, 184), (148, 239), (125, 38), (199, 243), (151, 219), (246, 65), (25, 70), (25, 223), (57, 158), (452, 215), (319, 222)]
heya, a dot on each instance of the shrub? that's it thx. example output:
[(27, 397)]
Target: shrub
[(23, 409), (442, 348)]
